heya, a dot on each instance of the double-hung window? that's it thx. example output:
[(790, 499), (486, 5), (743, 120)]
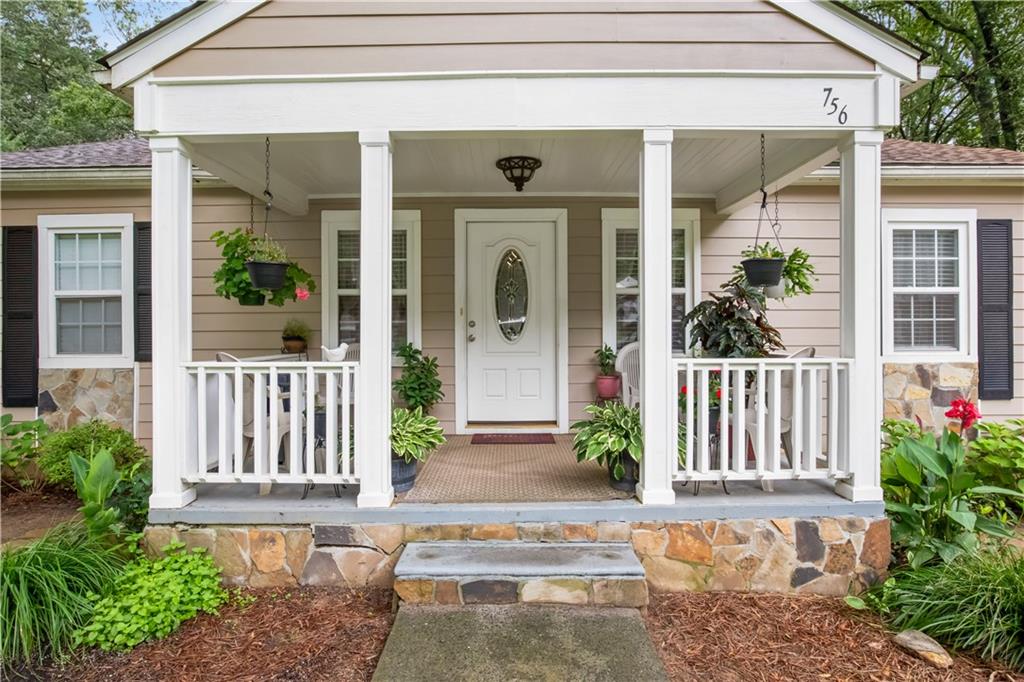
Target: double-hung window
[(622, 274), (341, 268), (86, 290), (927, 273)]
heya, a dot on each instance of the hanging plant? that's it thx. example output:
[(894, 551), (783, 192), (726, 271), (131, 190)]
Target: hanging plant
[(232, 279), (267, 264), (763, 267), (798, 275)]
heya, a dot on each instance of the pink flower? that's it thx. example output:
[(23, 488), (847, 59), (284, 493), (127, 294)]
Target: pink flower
[(301, 293), (965, 411)]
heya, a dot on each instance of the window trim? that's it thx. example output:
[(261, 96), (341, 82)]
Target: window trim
[(964, 221), (86, 223), (334, 221), (612, 219)]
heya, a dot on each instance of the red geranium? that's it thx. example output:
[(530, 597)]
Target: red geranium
[(964, 410)]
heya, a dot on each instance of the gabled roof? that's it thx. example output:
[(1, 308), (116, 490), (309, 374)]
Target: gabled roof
[(180, 31), (909, 153)]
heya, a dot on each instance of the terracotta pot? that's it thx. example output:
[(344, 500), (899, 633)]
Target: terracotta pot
[(293, 344), (608, 386)]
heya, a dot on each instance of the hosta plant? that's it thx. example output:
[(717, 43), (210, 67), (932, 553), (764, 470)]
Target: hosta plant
[(613, 432), (932, 495), (414, 435)]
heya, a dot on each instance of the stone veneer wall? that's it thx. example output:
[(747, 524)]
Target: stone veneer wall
[(70, 396), (820, 555), (925, 391)]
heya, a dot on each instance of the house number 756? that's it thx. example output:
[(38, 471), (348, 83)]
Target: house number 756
[(832, 105)]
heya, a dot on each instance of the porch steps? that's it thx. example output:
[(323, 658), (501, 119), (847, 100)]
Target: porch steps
[(457, 573)]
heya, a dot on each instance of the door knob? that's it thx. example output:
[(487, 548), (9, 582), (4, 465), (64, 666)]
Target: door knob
[(472, 338)]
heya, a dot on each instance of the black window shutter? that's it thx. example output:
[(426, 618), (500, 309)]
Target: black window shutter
[(995, 309), (21, 318), (143, 293)]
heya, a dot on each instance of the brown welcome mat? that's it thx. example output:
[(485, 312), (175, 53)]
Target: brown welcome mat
[(460, 472), (512, 439)]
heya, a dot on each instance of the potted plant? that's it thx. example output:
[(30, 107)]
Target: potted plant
[(763, 265), (608, 381), (267, 264), (733, 324), (419, 385), (295, 336), (414, 435), (232, 278), (612, 437), (797, 274)]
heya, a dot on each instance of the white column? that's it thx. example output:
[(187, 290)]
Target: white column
[(171, 212), (860, 306), (657, 381), (373, 398)]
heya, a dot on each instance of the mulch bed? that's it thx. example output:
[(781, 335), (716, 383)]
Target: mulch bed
[(28, 513), (286, 634), (726, 637)]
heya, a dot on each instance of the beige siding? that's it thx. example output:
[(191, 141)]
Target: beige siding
[(381, 37), (809, 216)]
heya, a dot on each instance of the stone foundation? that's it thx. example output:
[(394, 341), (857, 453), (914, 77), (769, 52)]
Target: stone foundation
[(924, 391), (624, 592), (70, 396), (831, 556)]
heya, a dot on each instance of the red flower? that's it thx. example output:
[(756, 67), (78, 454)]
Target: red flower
[(718, 393), (964, 410), (301, 293), (682, 391)]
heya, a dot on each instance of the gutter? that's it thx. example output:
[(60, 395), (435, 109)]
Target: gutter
[(137, 177)]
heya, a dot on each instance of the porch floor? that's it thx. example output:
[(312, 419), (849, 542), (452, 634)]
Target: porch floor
[(459, 472)]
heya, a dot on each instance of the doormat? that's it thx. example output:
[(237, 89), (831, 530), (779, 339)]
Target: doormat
[(512, 439)]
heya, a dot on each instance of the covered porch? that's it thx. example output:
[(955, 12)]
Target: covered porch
[(796, 413)]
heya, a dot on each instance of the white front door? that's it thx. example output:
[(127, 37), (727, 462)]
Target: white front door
[(511, 329)]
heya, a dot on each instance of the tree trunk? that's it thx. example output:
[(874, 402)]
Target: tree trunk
[(1004, 90)]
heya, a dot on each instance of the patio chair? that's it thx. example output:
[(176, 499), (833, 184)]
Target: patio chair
[(627, 364), (248, 417), (786, 410)]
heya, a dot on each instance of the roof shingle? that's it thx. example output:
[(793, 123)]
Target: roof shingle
[(132, 152)]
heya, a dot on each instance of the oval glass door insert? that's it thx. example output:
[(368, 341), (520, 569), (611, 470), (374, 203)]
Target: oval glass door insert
[(511, 295)]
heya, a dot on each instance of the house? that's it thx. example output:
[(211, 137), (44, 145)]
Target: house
[(376, 127)]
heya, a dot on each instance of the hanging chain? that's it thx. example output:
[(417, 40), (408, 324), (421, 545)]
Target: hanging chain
[(266, 191), (762, 214), (252, 217)]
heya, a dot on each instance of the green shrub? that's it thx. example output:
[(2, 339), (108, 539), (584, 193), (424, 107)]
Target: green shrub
[(150, 599), (419, 385), (975, 602), (19, 445), (82, 440), (131, 496), (44, 592), (932, 496), (998, 455)]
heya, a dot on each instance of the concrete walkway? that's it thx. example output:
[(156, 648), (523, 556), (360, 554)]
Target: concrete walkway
[(518, 643)]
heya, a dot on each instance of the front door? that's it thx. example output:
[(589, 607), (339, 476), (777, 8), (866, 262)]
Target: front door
[(511, 332)]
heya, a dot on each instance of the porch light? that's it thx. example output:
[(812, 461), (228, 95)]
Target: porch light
[(518, 169)]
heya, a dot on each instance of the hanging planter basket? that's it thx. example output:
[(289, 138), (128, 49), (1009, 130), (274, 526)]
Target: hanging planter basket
[(254, 298), (266, 275), (763, 272), (777, 291)]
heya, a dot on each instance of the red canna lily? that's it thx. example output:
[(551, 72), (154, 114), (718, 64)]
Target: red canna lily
[(964, 410)]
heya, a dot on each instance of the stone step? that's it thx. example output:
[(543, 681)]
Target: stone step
[(455, 573)]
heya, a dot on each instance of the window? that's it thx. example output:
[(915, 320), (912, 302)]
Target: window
[(341, 278), (86, 290), (621, 290), (927, 292)]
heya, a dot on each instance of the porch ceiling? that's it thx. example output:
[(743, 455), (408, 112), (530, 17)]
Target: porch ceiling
[(720, 166)]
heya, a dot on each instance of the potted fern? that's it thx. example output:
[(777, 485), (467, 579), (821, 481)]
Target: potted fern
[(798, 273), (608, 381), (612, 437), (414, 435)]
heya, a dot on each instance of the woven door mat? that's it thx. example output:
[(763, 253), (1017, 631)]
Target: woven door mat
[(459, 472), (513, 439)]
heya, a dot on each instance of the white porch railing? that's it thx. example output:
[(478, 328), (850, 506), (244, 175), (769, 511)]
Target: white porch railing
[(777, 418), (271, 422)]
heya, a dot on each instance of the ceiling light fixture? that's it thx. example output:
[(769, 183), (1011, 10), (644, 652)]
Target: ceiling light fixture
[(518, 169)]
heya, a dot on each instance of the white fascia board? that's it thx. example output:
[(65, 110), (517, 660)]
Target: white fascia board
[(138, 59), (52, 179), (928, 74), (930, 175), (885, 50)]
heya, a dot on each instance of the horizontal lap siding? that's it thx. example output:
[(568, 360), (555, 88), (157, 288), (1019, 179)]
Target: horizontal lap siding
[(344, 37)]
